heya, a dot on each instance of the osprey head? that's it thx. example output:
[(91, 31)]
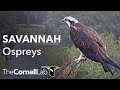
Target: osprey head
[(69, 20)]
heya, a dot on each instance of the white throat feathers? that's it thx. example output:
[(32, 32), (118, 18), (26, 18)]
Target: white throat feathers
[(68, 23)]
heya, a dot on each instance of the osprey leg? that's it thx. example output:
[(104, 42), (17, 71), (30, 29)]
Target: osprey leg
[(80, 57)]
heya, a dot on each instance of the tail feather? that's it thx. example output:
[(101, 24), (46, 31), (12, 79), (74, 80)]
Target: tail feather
[(108, 64), (107, 68), (109, 61)]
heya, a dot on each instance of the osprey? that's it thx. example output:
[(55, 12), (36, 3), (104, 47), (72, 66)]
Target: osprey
[(90, 44)]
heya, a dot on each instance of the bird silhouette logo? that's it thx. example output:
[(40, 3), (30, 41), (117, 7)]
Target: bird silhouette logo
[(51, 70)]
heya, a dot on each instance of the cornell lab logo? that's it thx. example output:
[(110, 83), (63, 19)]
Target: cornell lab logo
[(51, 70)]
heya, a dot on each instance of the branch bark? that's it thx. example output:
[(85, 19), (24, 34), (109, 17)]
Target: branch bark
[(68, 69)]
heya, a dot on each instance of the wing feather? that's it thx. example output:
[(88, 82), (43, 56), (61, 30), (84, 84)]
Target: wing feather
[(89, 42)]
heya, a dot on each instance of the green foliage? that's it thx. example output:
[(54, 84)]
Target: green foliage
[(55, 55), (71, 53), (112, 47)]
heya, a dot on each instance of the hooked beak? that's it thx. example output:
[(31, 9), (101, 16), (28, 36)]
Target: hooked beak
[(63, 20)]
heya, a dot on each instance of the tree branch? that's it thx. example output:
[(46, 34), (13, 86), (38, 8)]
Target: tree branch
[(68, 69)]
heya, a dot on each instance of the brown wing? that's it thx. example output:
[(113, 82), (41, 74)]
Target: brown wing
[(93, 32), (89, 42), (97, 35), (98, 40)]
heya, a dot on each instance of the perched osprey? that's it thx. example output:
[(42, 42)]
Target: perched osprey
[(89, 43)]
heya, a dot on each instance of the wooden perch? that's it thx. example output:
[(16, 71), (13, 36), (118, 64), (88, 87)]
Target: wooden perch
[(68, 69)]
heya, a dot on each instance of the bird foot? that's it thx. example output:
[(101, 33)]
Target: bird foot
[(80, 59), (84, 58), (77, 60)]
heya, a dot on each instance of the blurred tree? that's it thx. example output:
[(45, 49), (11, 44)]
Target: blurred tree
[(28, 18), (7, 20), (33, 17), (8, 27)]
